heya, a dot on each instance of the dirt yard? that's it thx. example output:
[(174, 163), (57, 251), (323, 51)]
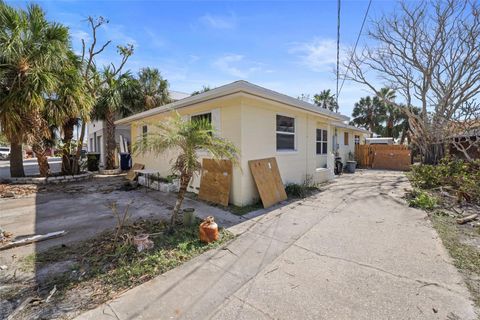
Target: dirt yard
[(82, 210)]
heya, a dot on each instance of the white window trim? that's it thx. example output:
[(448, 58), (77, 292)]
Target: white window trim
[(215, 116), (321, 141), (294, 133)]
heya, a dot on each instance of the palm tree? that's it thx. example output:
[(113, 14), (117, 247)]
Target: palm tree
[(368, 113), (32, 53), (153, 88), (204, 89), (326, 100), (70, 103), (111, 104), (386, 97), (188, 137)]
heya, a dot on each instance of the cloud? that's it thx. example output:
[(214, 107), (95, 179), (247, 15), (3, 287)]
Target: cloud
[(319, 54), (78, 35), (219, 22), (236, 65), (155, 40), (116, 33)]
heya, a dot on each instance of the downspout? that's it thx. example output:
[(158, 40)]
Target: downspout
[(307, 153)]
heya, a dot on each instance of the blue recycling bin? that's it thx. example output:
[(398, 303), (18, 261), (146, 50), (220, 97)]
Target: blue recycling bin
[(125, 161)]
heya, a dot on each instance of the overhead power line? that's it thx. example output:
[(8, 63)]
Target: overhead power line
[(338, 48), (354, 49)]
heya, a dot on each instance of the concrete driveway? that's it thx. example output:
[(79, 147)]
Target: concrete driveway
[(353, 251)]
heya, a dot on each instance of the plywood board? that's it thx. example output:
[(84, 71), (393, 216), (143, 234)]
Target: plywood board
[(216, 181), (131, 175), (268, 180), (392, 160)]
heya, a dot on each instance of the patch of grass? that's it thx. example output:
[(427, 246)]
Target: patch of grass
[(27, 264), (236, 210), (240, 211), (117, 266), (421, 199), (465, 257)]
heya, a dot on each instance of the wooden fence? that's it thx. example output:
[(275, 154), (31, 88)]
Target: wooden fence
[(382, 156)]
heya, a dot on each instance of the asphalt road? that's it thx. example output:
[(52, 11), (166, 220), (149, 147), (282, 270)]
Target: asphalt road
[(30, 166)]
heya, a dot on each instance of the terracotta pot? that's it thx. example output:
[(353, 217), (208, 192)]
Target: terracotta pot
[(208, 230)]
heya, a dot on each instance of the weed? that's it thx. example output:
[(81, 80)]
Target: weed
[(295, 190), (421, 199), (465, 257)]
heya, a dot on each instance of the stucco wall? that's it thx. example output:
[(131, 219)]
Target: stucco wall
[(259, 141), (250, 123)]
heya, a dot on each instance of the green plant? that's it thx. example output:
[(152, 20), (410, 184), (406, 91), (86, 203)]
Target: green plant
[(456, 176), (421, 199), (295, 190), (188, 137)]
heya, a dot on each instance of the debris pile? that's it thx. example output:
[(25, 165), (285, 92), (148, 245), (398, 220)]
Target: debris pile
[(12, 190)]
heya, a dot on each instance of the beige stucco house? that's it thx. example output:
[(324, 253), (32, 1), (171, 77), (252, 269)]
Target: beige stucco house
[(262, 123)]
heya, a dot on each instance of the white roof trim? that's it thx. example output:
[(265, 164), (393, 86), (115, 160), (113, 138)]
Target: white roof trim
[(347, 126), (231, 88)]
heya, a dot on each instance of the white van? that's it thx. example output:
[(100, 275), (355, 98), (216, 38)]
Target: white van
[(4, 153)]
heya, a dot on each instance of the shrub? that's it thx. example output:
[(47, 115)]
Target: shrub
[(456, 175), (422, 200), (295, 190)]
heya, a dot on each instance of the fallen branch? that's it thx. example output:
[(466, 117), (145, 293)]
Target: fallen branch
[(467, 218), (36, 238)]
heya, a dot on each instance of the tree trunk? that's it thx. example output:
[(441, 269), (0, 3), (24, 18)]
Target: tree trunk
[(67, 164), (184, 181), (434, 153), (390, 128), (41, 154), (110, 145), (16, 159), (76, 159), (404, 135)]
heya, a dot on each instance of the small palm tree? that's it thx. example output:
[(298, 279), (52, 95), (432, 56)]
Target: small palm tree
[(188, 137), (326, 100)]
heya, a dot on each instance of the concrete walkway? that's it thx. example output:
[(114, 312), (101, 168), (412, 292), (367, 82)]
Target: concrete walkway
[(354, 251)]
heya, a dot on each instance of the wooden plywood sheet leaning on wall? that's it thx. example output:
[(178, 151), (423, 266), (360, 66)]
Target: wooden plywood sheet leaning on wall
[(269, 183), (131, 175), (392, 160), (216, 181)]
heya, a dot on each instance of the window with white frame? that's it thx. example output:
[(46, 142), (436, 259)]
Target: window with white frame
[(285, 133), (322, 141)]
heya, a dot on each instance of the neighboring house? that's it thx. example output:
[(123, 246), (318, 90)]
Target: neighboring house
[(262, 123), (468, 141), (96, 133)]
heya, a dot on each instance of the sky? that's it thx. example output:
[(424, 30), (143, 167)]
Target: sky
[(286, 46)]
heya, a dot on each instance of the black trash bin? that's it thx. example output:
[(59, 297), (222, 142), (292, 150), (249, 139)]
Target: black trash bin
[(93, 161), (125, 160)]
